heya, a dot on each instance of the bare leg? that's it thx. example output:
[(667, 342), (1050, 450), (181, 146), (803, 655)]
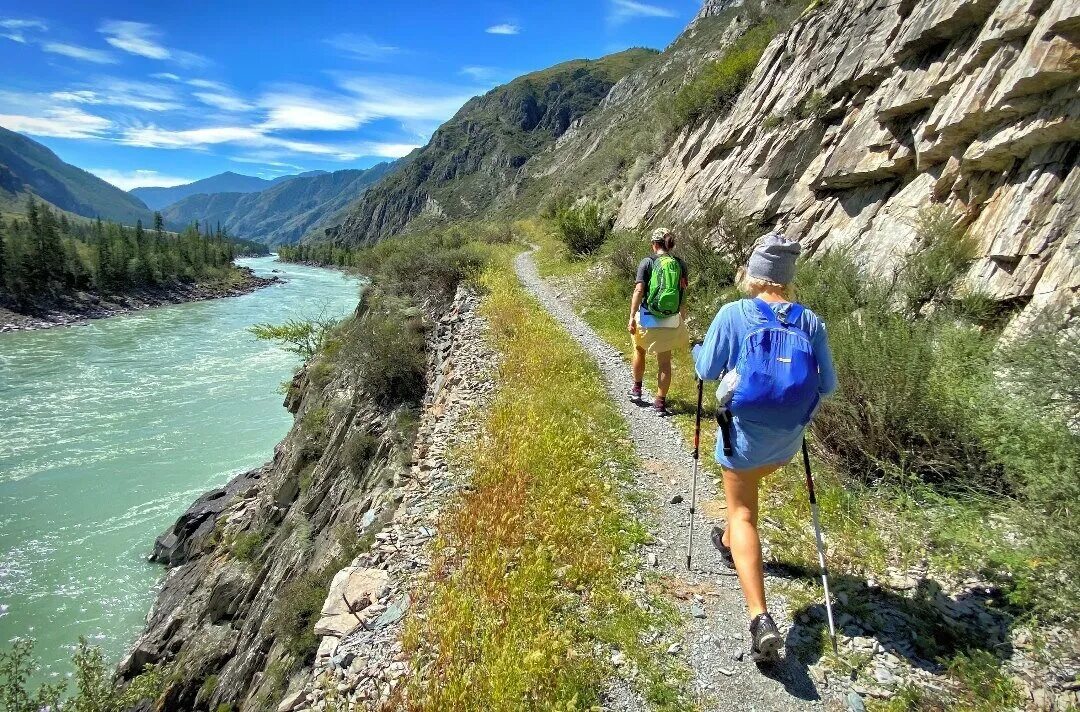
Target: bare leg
[(637, 364), (741, 490), (663, 373)]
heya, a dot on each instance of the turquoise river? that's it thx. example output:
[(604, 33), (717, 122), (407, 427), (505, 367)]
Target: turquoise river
[(109, 431)]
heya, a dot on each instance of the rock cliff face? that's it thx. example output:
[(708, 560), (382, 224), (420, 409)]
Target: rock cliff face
[(251, 564), (864, 112)]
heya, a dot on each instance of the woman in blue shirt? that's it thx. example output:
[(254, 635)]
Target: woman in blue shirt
[(757, 449)]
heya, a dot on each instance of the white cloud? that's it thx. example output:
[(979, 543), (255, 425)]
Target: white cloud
[(486, 75), (135, 37), (15, 29), (143, 39), (61, 122), (165, 75), (402, 98), (389, 150), (139, 178), (207, 84), (621, 11), (361, 47), (86, 54), (81, 96), (505, 28), (146, 96), (225, 102), (302, 109), (12, 23)]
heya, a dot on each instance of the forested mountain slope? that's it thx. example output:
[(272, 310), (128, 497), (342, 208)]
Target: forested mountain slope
[(479, 152), (26, 166), (282, 213), (227, 182)]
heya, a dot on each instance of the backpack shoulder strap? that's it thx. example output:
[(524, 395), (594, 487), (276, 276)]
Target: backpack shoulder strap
[(766, 312), (793, 313)]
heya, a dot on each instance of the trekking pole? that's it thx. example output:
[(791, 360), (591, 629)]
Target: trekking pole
[(693, 489), (820, 543)]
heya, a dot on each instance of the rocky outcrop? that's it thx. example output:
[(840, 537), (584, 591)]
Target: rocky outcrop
[(246, 560), (865, 112)]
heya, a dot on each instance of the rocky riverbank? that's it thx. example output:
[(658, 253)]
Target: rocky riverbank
[(319, 548), (80, 307)]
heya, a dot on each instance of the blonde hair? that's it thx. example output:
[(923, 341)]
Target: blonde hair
[(753, 286)]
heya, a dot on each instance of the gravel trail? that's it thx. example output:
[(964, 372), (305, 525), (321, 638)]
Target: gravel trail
[(716, 646)]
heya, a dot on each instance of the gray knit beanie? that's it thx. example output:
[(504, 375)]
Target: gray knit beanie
[(774, 259)]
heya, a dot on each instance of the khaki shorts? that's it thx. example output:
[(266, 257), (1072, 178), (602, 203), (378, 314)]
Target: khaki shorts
[(661, 340)]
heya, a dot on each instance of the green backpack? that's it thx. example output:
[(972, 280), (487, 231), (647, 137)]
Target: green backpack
[(665, 294)]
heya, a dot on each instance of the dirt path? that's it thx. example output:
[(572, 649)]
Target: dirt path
[(714, 646)]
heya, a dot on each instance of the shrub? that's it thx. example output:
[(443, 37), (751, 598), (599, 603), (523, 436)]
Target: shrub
[(358, 450), (583, 228), (247, 545), (772, 121), (813, 106), (714, 90), (421, 267), (94, 687), (942, 255), (296, 611), (299, 336), (385, 349)]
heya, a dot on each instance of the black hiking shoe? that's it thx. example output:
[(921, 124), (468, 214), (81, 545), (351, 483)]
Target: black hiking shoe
[(767, 642), (717, 537)]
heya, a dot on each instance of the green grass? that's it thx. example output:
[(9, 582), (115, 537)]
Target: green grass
[(528, 619)]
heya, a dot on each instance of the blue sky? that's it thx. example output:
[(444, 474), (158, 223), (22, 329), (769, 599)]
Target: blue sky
[(161, 93)]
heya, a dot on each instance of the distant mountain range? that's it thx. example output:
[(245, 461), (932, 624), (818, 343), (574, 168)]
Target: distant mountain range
[(270, 212), (283, 212), (227, 182), (27, 167)]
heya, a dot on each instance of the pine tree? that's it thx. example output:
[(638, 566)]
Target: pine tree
[(3, 256)]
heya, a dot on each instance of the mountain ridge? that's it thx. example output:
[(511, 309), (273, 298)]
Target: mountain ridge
[(27, 166), (157, 198)]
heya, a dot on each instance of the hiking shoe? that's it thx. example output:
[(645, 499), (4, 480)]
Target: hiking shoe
[(717, 537), (766, 639), (635, 393), (660, 406)]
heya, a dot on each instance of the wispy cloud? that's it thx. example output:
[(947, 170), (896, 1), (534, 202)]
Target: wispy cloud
[(362, 47), (302, 108), (138, 178), (620, 11), (85, 54), (484, 75), (225, 102), (13, 23), (143, 39), (505, 28), (59, 122), (165, 75), (403, 98)]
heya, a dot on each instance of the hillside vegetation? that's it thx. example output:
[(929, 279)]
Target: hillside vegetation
[(472, 157), (27, 167), (281, 213)]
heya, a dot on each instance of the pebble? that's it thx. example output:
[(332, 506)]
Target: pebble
[(697, 611), (677, 499), (855, 702)]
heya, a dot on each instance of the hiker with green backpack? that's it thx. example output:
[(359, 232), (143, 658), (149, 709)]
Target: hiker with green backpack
[(657, 323)]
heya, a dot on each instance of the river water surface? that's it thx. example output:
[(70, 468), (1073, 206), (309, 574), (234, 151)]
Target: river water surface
[(109, 431)]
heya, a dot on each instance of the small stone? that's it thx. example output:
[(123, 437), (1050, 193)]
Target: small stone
[(674, 648), (618, 659), (651, 559), (738, 654), (725, 671), (884, 676), (677, 499), (855, 702), (697, 611)]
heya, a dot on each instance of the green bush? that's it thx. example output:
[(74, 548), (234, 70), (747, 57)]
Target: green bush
[(942, 255), (95, 690), (358, 450), (385, 349), (247, 545), (714, 90), (583, 228), (427, 266), (295, 613)]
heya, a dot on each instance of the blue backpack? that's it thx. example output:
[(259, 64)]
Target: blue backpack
[(778, 372)]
